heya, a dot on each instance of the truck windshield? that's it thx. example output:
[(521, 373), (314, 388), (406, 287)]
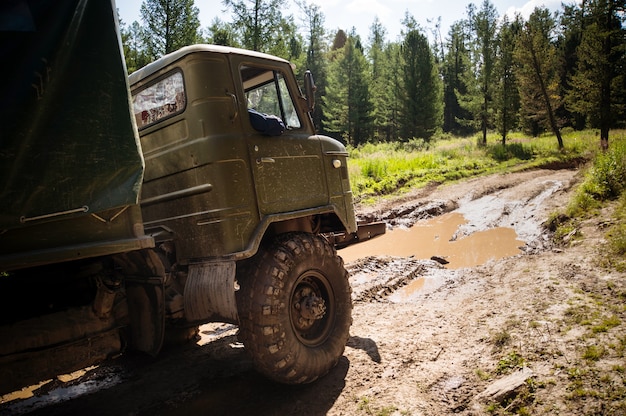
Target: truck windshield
[(267, 92)]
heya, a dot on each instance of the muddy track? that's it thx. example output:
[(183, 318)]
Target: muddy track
[(374, 279), (411, 352)]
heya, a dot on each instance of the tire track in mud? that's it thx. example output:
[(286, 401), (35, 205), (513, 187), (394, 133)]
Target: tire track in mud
[(515, 201), (374, 279), (408, 214)]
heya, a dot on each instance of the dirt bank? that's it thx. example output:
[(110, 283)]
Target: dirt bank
[(439, 348)]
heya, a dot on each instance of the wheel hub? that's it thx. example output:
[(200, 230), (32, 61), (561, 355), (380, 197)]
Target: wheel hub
[(309, 308)]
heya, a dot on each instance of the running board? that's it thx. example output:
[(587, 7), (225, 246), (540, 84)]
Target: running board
[(364, 232)]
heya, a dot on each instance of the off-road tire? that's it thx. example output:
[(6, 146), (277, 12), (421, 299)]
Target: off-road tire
[(271, 290)]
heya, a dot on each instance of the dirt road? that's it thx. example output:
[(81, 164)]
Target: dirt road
[(426, 339)]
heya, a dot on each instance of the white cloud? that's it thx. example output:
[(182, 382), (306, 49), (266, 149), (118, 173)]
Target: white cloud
[(530, 6)]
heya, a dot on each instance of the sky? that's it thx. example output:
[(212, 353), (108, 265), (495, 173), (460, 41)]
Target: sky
[(360, 14)]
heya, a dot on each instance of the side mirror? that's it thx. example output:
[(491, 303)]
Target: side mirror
[(309, 88)]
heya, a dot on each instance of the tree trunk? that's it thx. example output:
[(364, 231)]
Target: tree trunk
[(484, 121), (546, 97), (605, 92)]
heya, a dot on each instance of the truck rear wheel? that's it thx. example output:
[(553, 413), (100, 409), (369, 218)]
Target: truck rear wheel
[(295, 308)]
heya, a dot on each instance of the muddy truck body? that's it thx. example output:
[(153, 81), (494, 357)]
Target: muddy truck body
[(134, 209)]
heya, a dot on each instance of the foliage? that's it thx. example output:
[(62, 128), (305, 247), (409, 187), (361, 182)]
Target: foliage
[(483, 25), (605, 180), (422, 111), (347, 93), (258, 23), (489, 74), (385, 85), (456, 64), (507, 96), (538, 72), (512, 361), (597, 85), (169, 25), (222, 33), (316, 50), (393, 167), (616, 237), (134, 53), (367, 408)]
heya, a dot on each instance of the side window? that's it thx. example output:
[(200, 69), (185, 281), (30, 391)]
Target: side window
[(160, 100), (267, 93)]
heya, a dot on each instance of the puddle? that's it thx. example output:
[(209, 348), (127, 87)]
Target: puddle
[(25, 400), (438, 237), (450, 237), (215, 330), (417, 286)]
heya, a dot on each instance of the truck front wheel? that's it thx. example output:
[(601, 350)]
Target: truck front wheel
[(295, 308)]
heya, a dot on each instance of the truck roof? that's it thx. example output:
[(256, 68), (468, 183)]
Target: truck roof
[(180, 53)]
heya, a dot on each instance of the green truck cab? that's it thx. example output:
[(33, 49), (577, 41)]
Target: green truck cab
[(214, 178), (135, 209)]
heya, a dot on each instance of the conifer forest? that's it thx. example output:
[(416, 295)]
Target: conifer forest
[(488, 73)]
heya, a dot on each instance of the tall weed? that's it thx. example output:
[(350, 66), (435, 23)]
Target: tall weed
[(378, 169), (605, 180), (518, 151), (616, 237)]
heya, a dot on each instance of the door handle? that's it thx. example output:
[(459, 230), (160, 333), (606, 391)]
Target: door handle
[(233, 98), (265, 160)]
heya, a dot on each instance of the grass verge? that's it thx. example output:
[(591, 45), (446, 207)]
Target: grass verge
[(387, 169), (597, 377)]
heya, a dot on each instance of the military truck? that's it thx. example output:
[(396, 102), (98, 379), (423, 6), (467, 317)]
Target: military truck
[(134, 209)]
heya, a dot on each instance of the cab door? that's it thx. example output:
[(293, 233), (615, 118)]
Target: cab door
[(287, 167)]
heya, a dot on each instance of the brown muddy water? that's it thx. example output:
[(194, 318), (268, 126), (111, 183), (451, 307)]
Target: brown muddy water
[(439, 236)]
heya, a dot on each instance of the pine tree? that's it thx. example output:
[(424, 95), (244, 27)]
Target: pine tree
[(335, 101), (484, 25), (316, 56), (134, 50), (506, 96), (395, 89), (169, 25), (456, 66), (286, 42), (381, 93), (423, 106), (339, 40), (538, 71), (221, 33), (598, 83), (258, 21), (570, 36), (347, 102), (359, 104)]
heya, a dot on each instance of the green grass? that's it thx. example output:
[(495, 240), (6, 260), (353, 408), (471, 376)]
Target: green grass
[(386, 169), (616, 238), (365, 406), (509, 363), (605, 180)]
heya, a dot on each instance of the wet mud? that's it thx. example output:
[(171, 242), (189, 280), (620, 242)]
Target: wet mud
[(443, 238), (400, 337)]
